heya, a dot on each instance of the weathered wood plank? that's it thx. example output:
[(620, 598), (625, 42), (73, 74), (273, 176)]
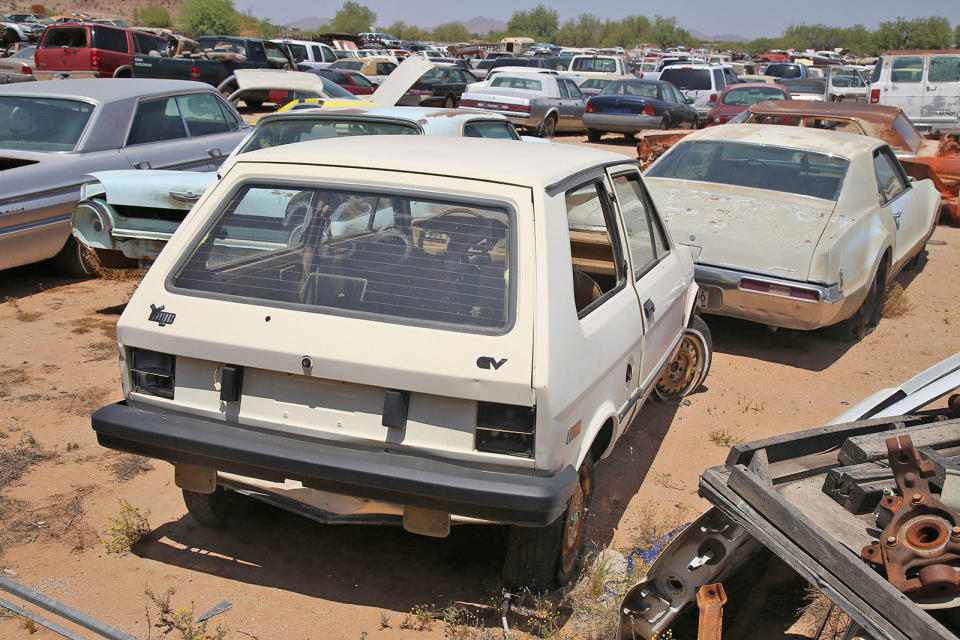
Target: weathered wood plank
[(864, 448)]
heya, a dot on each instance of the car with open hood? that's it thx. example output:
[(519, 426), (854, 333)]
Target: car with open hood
[(796, 228), (54, 132), (422, 331)]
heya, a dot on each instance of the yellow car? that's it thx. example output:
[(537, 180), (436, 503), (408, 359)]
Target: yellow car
[(323, 103)]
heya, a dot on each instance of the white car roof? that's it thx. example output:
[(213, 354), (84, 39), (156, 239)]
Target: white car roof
[(836, 143), (507, 161)]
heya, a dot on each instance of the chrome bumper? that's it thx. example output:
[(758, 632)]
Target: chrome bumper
[(721, 293), (621, 122)]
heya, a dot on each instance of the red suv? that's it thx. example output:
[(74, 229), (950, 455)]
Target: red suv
[(93, 49)]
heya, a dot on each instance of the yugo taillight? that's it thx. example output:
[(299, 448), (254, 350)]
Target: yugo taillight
[(505, 428), (152, 372)]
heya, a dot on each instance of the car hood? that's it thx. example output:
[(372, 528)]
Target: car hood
[(153, 188), (768, 232), (400, 81)]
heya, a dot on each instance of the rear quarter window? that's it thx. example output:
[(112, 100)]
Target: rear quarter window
[(110, 39)]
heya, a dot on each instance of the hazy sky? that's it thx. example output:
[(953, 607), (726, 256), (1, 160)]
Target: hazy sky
[(711, 17)]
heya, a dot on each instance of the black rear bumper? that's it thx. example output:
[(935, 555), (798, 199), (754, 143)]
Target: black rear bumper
[(379, 475)]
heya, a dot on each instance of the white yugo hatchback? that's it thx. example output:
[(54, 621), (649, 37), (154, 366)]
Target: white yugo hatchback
[(417, 330)]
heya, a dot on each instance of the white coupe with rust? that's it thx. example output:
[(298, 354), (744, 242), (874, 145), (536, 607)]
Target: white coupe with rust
[(795, 228)]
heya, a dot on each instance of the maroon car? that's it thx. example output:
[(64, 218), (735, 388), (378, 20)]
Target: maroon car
[(738, 97), (353, 81), (88, 48)]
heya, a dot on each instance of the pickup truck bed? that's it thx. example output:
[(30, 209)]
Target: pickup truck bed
[(223, 56)]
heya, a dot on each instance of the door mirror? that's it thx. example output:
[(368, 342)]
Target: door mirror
[(688, 101)]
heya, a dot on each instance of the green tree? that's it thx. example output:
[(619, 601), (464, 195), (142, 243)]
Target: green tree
[(584, 31), (404, 31), (540, 23), (266, 29), (956, 36), (209, 17), (451, 32), (626, 33), (666, 33), (920, 33), (353, 18), (153, 16)]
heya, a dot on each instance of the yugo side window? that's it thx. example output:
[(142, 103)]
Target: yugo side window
[(598, 268), (363, 253), (891, 181), (636, 222)]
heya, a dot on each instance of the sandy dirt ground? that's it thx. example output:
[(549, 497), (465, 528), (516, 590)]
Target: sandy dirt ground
[(288, 577)]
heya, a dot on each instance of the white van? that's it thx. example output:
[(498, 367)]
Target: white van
[(925, 84), (702, 82)]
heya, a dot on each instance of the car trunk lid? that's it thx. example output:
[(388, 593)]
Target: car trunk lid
[(773, 233)]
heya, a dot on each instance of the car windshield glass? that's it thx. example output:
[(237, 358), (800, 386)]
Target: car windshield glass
[(361, 80), (42, 124), (746, 96), (513, 82), (277, 132), (812, 86), (636, 89), (605, 65), (26, 52), (783, 71), (690, 79), (359, 252), (298, 51), (911, 136), (353, 65), (807, 173)]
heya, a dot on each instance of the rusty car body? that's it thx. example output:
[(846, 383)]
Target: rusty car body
[(795, 228)]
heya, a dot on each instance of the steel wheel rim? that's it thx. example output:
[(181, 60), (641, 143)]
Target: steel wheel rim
[(574, 524), (684, 369)]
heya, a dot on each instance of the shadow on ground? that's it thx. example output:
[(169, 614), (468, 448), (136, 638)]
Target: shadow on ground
[(27, 280), (374, 565)]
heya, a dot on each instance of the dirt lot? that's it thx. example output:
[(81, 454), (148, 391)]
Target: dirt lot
[(290, 578)]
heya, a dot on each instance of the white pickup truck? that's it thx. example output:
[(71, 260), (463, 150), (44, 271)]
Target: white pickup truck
[(584, 67), (307, 53)]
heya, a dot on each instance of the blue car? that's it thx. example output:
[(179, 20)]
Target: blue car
[(629, 106)]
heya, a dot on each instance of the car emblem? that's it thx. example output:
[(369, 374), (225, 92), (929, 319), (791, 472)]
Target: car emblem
[(161, 317), (486, 362)]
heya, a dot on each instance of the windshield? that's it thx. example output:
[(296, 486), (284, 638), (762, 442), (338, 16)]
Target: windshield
[(360, 80), (277, 132), (298, 51), (746, 96), (42, 124), (352, 65), (911, 135), (604, 65), (366, 253), (783, 70), (26, 52), (813, 85), (807, 173), (636, 89), (689, 79)]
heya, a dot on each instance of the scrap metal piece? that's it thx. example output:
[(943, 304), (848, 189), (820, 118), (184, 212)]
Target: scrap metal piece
[(920, 544), (218, 609), (710, 600)]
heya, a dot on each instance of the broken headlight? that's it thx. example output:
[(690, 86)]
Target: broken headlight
[(505, 428), (152, 372)]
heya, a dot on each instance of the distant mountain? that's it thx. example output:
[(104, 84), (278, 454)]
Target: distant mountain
[(727, 37), (311, 23), (483, 26)]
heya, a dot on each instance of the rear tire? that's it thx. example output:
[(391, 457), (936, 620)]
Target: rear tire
[(76, 260), (449, 102), (212, 510), (253, 104), (686, 372), (540, 558), (593, 135), (549, 127), (867, 317)]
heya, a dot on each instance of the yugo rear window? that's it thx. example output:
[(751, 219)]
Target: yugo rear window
[(759, 166), (373, 254)]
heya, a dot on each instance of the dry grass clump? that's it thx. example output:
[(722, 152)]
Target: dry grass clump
[(182, 621), (20, 314), (10, 378), (723, 438), (127, 529), (15, 462), (128, 466), (896, 302)]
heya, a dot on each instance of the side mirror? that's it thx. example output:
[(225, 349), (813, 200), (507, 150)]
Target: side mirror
[(688, 101)]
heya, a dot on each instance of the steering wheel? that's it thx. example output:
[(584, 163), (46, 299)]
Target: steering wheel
[(455, 210), (399, 245)]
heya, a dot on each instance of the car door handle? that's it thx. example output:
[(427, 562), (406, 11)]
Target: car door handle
[(649, 308), (931, 87), (214, 153), (142, 165)]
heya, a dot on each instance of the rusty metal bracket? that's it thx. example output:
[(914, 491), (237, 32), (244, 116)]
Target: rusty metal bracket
[(710, 600), (920, 544)]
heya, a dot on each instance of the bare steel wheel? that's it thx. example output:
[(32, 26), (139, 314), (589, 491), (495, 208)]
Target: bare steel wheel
[(574, 522), (688, 369)]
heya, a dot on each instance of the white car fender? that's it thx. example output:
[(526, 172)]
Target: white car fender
[(603, 412)]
